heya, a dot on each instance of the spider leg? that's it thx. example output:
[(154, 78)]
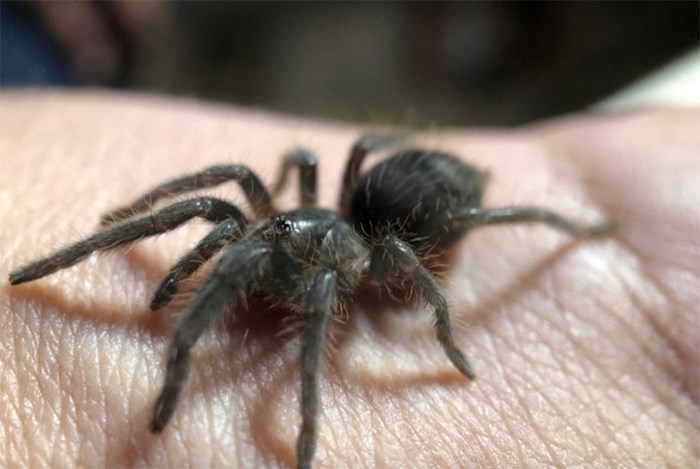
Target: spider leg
[(225, 233), (239, 267), (492, 216), (361, 148), (319, 303), (306, 162), (399, 257), (129, 231), (253, 188)]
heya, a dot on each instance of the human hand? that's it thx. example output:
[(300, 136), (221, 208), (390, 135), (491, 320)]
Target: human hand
[(585, 350), (98, 38)]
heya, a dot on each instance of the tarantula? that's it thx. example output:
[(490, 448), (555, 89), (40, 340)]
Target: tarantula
[(414, 204)]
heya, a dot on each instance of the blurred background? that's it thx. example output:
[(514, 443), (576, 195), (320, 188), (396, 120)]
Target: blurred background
[(401, 63)]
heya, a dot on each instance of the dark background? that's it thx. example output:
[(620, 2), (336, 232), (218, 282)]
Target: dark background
[(415, 64)]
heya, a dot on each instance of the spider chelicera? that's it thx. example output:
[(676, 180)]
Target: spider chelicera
[(412, 205)]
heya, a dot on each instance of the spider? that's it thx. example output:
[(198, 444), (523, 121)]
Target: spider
[(412, 205)]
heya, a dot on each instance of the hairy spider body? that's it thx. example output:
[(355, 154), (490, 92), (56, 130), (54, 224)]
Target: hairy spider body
[(315, 239), (413, 195), (413, 204)]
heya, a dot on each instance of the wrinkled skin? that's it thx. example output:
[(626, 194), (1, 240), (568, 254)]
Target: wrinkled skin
[(585, 351)]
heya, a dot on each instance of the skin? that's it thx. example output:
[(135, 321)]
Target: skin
[(585, 351)]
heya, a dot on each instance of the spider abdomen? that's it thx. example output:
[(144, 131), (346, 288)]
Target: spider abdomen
[(411, 194)]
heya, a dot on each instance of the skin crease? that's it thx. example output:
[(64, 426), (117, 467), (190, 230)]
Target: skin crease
[(585, 351)]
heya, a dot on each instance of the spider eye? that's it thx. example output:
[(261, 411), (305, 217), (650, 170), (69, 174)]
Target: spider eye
[(282, 226)]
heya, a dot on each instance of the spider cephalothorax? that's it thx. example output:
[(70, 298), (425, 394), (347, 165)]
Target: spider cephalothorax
[(414, 204)]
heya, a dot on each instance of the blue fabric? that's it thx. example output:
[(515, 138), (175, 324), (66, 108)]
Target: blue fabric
[(28, 54)]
